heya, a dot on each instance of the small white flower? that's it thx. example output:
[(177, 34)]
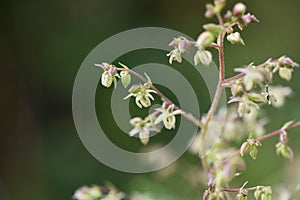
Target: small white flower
[(142, 94), (167, 115), (143, 128), (175, 55)]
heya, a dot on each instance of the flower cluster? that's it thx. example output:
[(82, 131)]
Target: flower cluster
[(263, 193), (282, 147), (167, 115), (253, 89), (110, 74), (180, 45), (96, 192), (142, 94), (143, 127)]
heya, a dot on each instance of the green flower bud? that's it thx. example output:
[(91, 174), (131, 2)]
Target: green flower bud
[(256, 98), (253, 152), (144, 137), (219, 5), (213, 28), (203, 56), (125, 78), (245, 148), (210, 11), (285, 73), (263, 193), (235, 38), (284, 150), (205, 39), (106, 79)]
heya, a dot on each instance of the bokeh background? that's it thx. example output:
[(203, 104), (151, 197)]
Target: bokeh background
[(42, 46)]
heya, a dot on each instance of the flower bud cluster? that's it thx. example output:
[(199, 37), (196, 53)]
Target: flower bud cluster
[(213, 9), (167, 115), (282, 147), (251, 147), (180, 45), (110, 75), (95, 192), (253, 88), (142, 94), (263, 193), (143, 127)]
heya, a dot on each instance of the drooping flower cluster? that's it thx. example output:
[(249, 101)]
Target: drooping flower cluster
[(253, 88), (167, 115), (282, 147), (143, 127), (142, 94), (180, 45), (96, 192), (110, 75)]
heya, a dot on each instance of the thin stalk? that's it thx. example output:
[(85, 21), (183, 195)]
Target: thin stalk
[(188, 116), (216, 99)]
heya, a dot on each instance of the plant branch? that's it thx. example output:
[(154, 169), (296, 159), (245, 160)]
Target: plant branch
[(269, 135), (216, 98), (188, 116)]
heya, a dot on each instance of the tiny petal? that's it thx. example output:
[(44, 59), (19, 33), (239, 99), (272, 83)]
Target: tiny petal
[(144, 137)]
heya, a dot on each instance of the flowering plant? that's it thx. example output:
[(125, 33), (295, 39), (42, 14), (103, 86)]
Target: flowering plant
[(251, 89)]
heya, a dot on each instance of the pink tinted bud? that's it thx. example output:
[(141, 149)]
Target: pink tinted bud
[(239, 9), (283, 137), (209, 11), (183, 45), (174, 42), (112, 71), (287, 61), (248, 18)]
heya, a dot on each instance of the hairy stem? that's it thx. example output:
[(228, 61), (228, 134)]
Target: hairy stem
[(216, 98)]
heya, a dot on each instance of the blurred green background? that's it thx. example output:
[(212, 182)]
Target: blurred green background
[(42, 46)]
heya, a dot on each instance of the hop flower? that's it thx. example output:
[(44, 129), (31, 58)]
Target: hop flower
[(181, 45), (235, 38), (254, 75), (205, 57), (205, 39), (263, 193), (277, 94), (167, 115), (87, 193), (175, 55), (142, 94), (109, 75), (143, 128)]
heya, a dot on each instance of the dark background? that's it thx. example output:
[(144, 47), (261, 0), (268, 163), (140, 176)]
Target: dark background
[(42, 46)]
